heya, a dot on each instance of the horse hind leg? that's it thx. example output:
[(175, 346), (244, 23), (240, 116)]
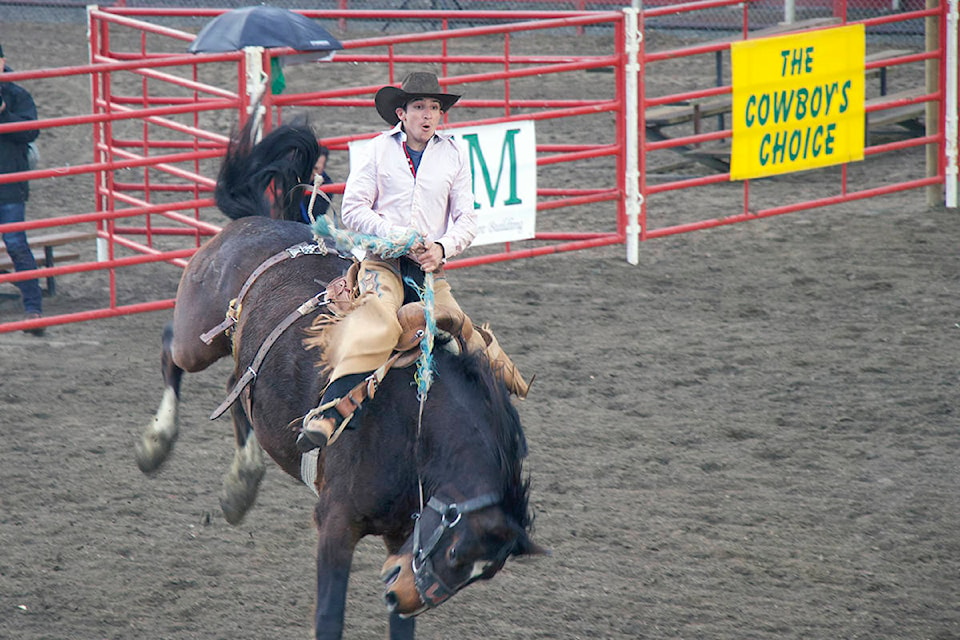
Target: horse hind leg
[(157, 440), (242, 482)]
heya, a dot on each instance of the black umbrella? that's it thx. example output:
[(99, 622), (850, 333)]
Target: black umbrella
[(263, 26)]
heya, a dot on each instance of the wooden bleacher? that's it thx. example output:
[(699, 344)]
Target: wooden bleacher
[(909, 116), (47, 252)]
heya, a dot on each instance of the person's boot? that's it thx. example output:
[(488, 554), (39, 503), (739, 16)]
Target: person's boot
[(501, 363), (324, 424), (36, 331)]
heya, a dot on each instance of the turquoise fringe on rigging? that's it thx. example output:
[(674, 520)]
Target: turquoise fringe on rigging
[(424, 376), (346, 241)]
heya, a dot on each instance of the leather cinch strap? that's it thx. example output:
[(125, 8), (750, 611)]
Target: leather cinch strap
[(251, 373)]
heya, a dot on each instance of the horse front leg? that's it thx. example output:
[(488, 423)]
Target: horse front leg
[(401, 628), (336, 542), (242, 482), (157, 440)]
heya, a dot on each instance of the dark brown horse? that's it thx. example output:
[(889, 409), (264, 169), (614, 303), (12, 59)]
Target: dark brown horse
[(444, 489)]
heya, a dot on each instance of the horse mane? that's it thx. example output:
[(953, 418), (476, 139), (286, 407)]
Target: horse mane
[(508, 444), (263, 179)]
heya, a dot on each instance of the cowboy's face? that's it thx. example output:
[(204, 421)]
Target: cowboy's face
[(420, 118)]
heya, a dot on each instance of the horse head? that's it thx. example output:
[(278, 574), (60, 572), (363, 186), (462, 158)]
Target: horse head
[(453, 545), (476, 512)]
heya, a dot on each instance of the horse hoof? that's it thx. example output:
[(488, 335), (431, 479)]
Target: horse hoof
[(233, 512), (240, 489), (152, 452)]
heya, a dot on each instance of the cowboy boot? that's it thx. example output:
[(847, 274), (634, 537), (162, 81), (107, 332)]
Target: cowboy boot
[(501, 363), (324, 424)]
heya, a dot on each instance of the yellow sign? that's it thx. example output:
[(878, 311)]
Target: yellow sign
[(797, 102)]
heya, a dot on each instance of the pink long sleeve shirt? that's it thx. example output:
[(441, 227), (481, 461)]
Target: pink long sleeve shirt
[(382, 197)]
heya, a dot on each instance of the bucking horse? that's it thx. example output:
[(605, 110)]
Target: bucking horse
[(441, 482)]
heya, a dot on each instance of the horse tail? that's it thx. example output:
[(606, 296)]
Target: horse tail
[(263, 179)]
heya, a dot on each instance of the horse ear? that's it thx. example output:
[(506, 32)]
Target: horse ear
[(527, 547)]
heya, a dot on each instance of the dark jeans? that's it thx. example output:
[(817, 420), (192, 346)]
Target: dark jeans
[(19, 251)]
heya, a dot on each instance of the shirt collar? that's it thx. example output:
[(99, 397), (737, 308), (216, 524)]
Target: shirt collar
[(398, 131)]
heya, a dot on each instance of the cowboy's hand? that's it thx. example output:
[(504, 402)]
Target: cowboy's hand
[(416, 250), (431, 258)]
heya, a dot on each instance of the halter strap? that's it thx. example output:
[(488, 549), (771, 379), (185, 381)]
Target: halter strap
[(450, 515)]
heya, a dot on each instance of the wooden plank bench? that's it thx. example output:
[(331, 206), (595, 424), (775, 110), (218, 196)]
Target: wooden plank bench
[(44, 253), (881, 71), (690, 111), (908, 116)]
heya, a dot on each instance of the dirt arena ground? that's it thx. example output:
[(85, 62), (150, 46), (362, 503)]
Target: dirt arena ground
[(751, 434)]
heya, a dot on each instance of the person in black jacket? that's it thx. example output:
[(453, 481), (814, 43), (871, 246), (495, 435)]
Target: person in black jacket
[(16, 105)]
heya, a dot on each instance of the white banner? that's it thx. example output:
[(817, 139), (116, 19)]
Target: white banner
[(503, 161)]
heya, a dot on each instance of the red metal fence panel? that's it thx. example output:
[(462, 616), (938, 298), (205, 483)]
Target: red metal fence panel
[(160, 120)]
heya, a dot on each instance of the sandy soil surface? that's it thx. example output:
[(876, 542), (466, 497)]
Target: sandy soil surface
[(750, 434)]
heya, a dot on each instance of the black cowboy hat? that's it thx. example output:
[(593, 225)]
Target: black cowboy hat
[(418, 84)]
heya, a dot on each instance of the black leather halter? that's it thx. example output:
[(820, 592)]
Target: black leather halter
[(433, 591)]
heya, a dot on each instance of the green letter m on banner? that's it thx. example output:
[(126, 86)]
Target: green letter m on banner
[(476, 156)]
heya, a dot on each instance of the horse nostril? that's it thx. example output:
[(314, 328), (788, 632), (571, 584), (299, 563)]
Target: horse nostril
[(390, 599), (389, 577)]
